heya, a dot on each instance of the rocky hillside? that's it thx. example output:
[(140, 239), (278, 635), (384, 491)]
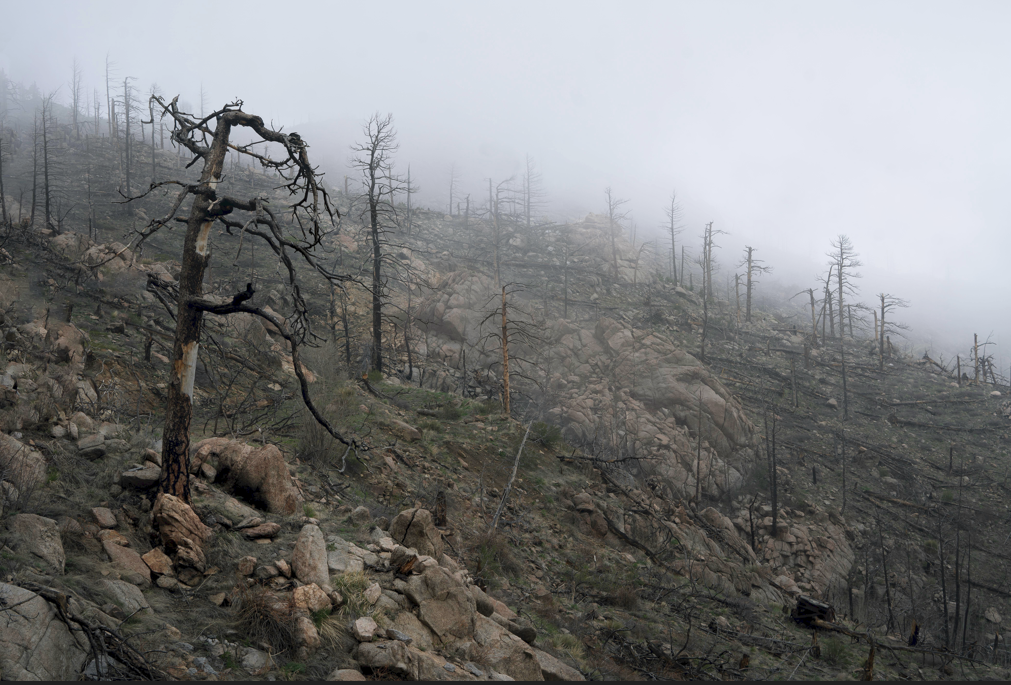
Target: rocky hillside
[(669, 485)]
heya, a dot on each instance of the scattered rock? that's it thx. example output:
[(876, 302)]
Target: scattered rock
[(264, 530), (143, 478), (255, 661), (41, 537), (832, 403), (104, 517), (394, 634), (92, 446), (309, 558), (372, 593), (404, 430), (408, 624), (392, 655), (246, 565), (339, 674), (415, 528), (992, 615), (364, 629), (158, 562), (127, 597), (311, 598), (361, 516), (554, 669), (115, 537), (584, 503), (306, 634), (127, 560)]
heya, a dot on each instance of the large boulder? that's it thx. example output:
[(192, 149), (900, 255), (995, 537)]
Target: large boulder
[(257, 474), (20, 465), (40, 536), (415, 528), (309, 558), (505, 652), (128, 597), (444, 603), (183, 535), (34, 643)]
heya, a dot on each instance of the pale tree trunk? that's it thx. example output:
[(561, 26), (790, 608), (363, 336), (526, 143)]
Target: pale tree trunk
[(196, 253), (747, 315), (505, 357)]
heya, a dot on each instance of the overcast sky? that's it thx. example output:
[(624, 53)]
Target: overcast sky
[(785, 123)]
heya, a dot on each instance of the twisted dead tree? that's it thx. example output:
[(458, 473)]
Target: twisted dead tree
[(292, 235)]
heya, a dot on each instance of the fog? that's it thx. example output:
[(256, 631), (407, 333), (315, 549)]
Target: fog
[(784, 123)]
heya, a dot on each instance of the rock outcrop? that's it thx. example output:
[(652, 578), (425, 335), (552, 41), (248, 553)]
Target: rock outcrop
[(257, 474)]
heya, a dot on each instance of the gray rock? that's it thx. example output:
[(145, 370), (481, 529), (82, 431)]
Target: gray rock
[(128, 597), (254, 660), (41, 537), (34, 643), (395, 634), (360, 516), (473, 670), (140, 479)]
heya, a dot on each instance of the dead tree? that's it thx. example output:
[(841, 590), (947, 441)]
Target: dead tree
[(674, 228), (533, 192), (755, 266), (615, 215), (373, 158), (844, 257), (889, 304), (292, 240)]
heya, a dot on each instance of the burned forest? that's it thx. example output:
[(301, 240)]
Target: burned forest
[(511, 368)]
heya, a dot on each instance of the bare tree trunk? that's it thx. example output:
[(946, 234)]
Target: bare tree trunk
[(377, 287), (747, 315), (814, 321), (505, 357), (3, 199), (47, 190), (128, 142), (196, 252)]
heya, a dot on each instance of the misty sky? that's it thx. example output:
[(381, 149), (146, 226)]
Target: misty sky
[(785, 123)]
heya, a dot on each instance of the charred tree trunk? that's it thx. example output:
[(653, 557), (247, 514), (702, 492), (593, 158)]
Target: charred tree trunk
[(505, 356), (196, 252)]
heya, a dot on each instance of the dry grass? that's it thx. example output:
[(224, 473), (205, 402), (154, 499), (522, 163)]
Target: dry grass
[(263, 617)]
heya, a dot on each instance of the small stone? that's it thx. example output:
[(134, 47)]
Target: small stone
[(57, 431), (345, 674), (267, 572), (372, 593), (208, 472), (473, 669), (167, 583), (365, 629), (832, 403), (283, 567), (361, 516), (104, 517), (127, 560), (218, 598), (583, 503), (255, 660), (116, 490), (158, 562), (264, 530), (311, 598), (992, 615), (246, 566), (394, 634), (140, 479), (112, 536), (449, 667)]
